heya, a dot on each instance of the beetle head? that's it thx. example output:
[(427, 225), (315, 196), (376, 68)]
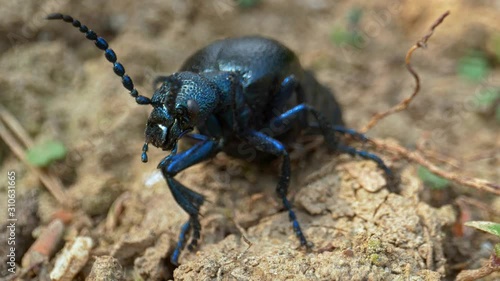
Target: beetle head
[(170, 118)]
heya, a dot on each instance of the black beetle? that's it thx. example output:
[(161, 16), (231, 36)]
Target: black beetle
[(238, 94)]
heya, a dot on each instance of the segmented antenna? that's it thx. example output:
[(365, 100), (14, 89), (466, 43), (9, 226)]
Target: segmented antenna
[(108, 53)]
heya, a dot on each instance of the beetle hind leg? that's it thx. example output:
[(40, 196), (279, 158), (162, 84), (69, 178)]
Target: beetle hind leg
[(298, 115), (366, 155), (361, 153), (353, 151), (348, 131)]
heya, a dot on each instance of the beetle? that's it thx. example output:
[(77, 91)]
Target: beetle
[(247, 97)]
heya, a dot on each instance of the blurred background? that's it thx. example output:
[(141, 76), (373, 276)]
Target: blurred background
[(66, 96)]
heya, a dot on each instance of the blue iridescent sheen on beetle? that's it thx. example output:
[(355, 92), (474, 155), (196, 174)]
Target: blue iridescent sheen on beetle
[(247, 97)]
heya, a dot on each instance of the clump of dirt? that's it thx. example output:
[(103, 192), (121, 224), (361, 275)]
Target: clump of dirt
[(106, 268), (359, 229)]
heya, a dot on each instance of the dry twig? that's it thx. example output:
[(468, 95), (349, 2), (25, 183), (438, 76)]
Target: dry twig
[(414, 156), (422, 43), (18, 140), (115, 211), (487, 269), (436, 156), (487, 209), (45, 245)]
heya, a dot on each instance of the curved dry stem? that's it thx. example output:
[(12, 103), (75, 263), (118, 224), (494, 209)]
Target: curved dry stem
[(415, 156), (422, 43), (487, 269)]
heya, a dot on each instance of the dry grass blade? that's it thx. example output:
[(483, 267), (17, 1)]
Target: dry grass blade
[(11, 122), (18, 141), (436, 156), (422, 43), (414, 156)]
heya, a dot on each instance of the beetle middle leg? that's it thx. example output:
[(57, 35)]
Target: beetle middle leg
[(267, 144), (283, 121), (189, 200)]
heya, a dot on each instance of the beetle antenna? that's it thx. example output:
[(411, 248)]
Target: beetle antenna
[(108, 53)]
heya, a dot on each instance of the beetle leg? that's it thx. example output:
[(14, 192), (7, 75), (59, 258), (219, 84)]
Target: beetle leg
[(367, 155), (267, 144), (189, 200), (282, 123), (197, 137), (287, 87), (351, 132), (353, 152), (285, 121), (343, 130), (237, 106)]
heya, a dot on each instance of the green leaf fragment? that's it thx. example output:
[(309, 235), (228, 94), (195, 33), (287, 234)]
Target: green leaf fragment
[(43, 154), (341, 36), (495, 41), (497, 250), (486, 226), (434, 181), (474, 67), (354, 16), (248, 3)]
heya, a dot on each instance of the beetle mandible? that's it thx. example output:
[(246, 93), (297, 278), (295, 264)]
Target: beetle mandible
[(237, 93)]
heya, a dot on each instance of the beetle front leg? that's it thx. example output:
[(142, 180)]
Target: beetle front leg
[(190, 201), (267, 144)]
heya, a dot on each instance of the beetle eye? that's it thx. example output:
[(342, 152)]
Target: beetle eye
[(193, 108)]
